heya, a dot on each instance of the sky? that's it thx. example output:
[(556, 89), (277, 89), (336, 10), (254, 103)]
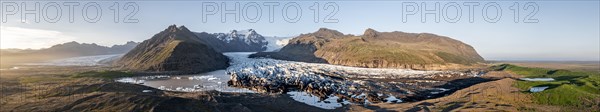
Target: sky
[(543, 30)]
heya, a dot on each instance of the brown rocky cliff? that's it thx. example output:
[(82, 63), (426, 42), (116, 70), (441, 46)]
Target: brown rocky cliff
[(173, 50), (376, 49)]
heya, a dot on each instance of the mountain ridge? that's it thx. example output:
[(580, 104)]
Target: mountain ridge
[(176, 49), (77, 49), (60, 51), (235, 41), (376, 49)]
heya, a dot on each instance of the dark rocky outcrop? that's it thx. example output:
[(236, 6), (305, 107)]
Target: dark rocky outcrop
[(174, 50), (376, 49)]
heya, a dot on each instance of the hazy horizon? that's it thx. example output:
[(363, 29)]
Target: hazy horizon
[(560, 34)]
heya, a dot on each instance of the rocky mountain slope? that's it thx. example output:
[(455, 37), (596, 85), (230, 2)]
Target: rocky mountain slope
[(176, 49), (235, 41), (378, 50), (85, 49)]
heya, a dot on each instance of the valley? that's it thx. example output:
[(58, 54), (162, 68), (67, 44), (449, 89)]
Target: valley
[(181, 70), (37, 85)]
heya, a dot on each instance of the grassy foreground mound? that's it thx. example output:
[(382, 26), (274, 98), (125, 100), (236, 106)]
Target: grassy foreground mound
[(577, 89)]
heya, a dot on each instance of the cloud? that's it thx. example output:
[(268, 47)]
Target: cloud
[(22, 38)]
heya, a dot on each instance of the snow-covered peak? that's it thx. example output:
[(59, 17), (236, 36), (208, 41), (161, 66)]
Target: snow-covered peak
[(251, 32), (237, 40), (247, 36), (253, 37), (233, 33)]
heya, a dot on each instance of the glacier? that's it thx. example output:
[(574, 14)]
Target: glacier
[(96, 60), (325, 80), (322, 85)]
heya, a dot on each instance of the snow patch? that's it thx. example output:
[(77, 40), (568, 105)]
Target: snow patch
[(392, 99)]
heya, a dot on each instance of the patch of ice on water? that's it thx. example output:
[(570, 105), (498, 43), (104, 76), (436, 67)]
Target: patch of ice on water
[(189, 83), (329, 103), (538, 89), (130, 80), (156, 77), (197, 88), (206, 77), (147, 91), (439, 90), (537, 79)]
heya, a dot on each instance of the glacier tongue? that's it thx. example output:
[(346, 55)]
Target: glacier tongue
[(81, 61), (324, 80), (321, 85)]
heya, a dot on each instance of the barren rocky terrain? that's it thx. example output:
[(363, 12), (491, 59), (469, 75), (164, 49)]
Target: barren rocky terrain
[(69, 88), (54, 89), (321, 71)]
